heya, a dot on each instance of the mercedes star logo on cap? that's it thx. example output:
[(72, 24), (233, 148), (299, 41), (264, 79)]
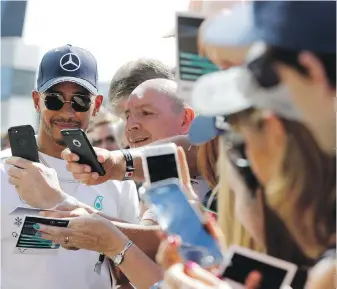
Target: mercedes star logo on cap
[(70, 62)]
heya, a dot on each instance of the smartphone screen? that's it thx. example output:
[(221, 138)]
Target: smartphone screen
[(191, 65), (162, 167), (176, 216), (241, 267)]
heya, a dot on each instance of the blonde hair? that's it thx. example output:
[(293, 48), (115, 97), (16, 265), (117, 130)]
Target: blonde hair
[(206, 159), (303, 192)]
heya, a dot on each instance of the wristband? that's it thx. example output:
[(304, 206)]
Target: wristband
[(129, 165)]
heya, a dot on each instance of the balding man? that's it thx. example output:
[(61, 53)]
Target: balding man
[(154, 112)]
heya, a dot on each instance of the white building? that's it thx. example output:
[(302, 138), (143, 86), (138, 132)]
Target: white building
[(19, 63)]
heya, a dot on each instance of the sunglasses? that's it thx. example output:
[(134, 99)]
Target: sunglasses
[(237, 156), (263, 72), (78, 102), (263, 68)]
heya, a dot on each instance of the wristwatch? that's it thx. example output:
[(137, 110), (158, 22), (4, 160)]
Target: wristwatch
[(118, 259)]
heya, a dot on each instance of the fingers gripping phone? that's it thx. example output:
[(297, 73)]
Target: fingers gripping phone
[(78, 143), (160, 162), (23, 142), (176, 216)]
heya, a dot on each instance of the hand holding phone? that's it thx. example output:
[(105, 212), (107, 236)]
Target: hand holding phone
[(79, 144), (177, 216), (160, 162), (23, 142)]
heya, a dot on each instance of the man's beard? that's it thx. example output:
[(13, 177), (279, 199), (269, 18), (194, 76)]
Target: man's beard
[(48, 129)]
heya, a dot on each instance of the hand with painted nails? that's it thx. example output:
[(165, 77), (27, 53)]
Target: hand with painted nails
[(37, 185), (168, 254), (111, 161), (191, 276), (89, 232)]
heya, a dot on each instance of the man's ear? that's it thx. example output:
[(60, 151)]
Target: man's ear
[(98, 104), (188, 118), (36, 100), (314, 67)]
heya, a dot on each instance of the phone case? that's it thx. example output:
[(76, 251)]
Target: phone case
[(158, 150), (23, 143), (79, 144), (177, 216)]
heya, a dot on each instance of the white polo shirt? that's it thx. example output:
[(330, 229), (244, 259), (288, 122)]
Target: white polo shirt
[(68, 269)]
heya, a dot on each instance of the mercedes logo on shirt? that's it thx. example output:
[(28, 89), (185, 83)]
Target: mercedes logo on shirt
[(70, 62)]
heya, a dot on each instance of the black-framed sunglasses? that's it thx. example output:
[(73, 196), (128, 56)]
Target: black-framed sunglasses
[(263, 67), (235, 147), (55, 101), (264, 72)]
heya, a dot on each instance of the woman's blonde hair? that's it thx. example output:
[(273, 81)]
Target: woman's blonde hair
[(206, 160), (303, 193)]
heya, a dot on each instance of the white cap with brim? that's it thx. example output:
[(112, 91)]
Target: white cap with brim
[(231, 91)]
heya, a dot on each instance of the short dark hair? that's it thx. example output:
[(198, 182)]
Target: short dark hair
[(132, 74), (290, 57)]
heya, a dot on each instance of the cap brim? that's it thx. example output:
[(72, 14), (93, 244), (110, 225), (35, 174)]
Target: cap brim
[(234, 28), (85, 84), (219, 93), (234, 90), (202, 130)]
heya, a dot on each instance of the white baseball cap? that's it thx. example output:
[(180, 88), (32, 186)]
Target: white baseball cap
[(234, 90)]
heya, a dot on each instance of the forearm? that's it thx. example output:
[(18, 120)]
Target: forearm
[(139, 269), (145, 237)]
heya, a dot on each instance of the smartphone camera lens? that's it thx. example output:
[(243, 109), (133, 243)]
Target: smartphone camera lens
[(77, 143)]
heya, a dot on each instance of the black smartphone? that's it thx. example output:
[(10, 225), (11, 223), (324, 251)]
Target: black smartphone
[(78, 143), (23, 142)]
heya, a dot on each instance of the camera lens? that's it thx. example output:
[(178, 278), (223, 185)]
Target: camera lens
[(76, 143)]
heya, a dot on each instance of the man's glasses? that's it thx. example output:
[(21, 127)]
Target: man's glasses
[(78, 102)]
